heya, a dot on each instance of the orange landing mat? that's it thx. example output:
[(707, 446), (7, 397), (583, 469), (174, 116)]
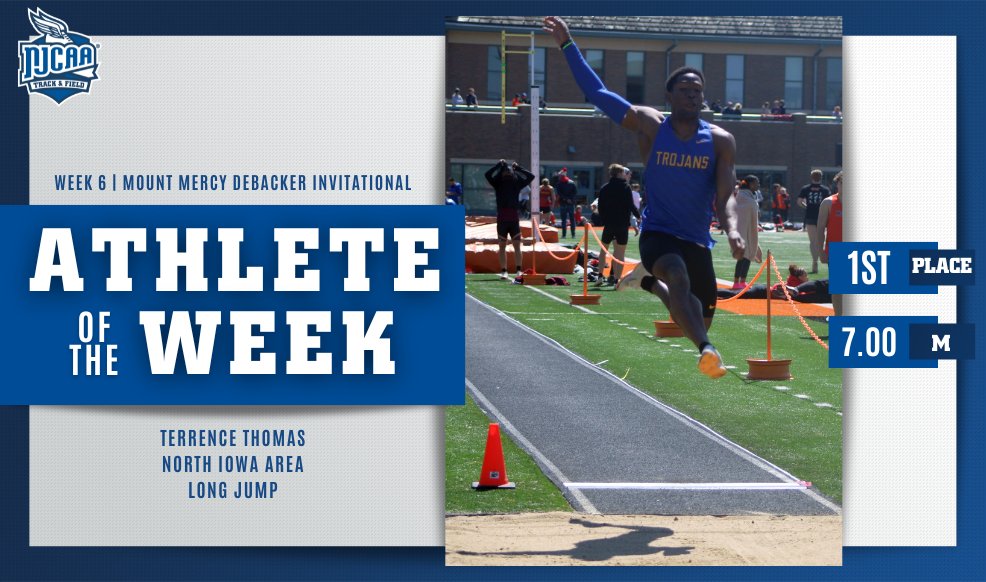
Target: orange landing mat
[(482, 249), (778, 308)]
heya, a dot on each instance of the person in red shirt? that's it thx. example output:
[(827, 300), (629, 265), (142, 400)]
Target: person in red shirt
[(546, 200), (781, 201), (830, 225)]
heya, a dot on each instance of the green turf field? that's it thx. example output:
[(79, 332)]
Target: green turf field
[(796, 424), (465, 441)]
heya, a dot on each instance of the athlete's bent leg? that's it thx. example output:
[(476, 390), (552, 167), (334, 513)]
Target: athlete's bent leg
[(685, 307)]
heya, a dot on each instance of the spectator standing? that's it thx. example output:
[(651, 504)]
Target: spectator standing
[(747, 211), (546, 200), (508, 181), (457, 98), (454, 191), (810, 198), (615, 209), (472, 102), (525, 201), (830, 227), (567, 192), (781, 201), (837, 112)]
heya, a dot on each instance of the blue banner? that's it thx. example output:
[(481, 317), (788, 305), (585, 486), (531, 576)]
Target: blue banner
[(277, 305), (943, 267), (873, 267), (874, 342), (944, 341)]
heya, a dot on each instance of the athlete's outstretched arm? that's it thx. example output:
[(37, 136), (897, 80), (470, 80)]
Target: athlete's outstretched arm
[(632, 117), (725, 149)]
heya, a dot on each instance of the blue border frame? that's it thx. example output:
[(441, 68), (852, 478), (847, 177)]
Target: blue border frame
[(962, 19)]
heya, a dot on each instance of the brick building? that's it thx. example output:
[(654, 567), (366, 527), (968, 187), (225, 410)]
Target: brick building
[(748, 60)]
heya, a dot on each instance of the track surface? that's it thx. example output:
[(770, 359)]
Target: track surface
[(611, 448)]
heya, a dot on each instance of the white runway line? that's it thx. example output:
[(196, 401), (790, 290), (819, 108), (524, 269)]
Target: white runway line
[(559, 477), (558, 299), (690, 486)]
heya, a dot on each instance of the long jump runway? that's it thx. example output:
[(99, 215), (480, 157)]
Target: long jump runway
[(609, 447)]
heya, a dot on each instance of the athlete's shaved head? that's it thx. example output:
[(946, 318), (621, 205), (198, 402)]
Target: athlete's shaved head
[(678, 73)]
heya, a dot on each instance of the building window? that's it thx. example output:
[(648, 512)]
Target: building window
[(794, 82), (595, 59), (833, 83), (493, 90), (734, 78), (693, 60), (477, 195), (635, 77)]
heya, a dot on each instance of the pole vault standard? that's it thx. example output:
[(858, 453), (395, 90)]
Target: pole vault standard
[(535, 93), (503, 67)]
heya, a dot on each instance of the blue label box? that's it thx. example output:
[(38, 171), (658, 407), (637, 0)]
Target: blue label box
[(942, 267), (874, 268), (944, 341), (875, 342), (95, 343)]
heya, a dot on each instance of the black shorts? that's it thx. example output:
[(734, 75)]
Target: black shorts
[(508, 228), (622, 235), (698, 260)]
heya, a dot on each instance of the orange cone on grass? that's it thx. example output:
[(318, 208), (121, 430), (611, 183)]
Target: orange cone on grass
[(494, 474)]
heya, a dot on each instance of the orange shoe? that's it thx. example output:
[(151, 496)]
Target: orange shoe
[(710, 363)]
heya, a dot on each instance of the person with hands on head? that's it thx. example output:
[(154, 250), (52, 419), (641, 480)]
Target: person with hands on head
[(507, 181), (689, 168)]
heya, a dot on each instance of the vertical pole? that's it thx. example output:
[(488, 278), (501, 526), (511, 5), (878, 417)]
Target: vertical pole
[(534, 242), (770, 263), (585, 260), (535, 155), (503, 77), (530, 63)]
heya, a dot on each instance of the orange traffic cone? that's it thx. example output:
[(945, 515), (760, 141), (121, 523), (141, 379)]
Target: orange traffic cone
[(494, 475)]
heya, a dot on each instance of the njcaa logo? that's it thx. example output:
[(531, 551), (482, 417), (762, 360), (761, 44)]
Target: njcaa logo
[(58, 64)]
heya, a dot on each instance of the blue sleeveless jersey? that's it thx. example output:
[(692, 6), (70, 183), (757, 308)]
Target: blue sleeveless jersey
[(680, 180)]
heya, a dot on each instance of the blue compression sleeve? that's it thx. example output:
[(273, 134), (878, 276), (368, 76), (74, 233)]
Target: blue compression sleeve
[(614, 106)]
